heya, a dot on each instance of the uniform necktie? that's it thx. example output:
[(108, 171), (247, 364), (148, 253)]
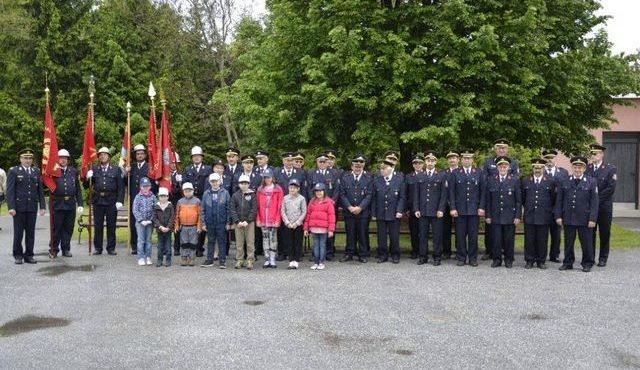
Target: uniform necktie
[(357, 179), (386, 179), (537, 181), (139, 165), (289, 173), (501, 179), (468, 172)]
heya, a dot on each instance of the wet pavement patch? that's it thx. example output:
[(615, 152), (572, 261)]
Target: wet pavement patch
[(29, 323), (254, 303), (56, 270), (404, 352), (332, 339), (534, 317)]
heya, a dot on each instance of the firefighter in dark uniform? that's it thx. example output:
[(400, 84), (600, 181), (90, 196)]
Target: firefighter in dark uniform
[(331, 161), (174, 197), (467, 202), (262, 164), (387, 208), (393, 157), (282, 176), (24, 197), (429, 203), (321, 174), (226, 181), (453, 158), (66, 200), (538, 201), (503, 212), (108, 196), (355, 199), (558, 174), (411, 191), (501, 148), (137, 171), (606, 176), (298, 160), (197, 173), (577, 211)]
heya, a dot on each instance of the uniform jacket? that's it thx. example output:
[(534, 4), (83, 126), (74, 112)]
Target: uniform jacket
[(68, 193), (411, 181), (387, 199), (467, 192), (431, 193), (24, 189), (577, 203), (330, 179), (490, 169), (538, 200), (606, 178), (108, 185), (504, 199), (356, 194), (283, 180), (199, 179)]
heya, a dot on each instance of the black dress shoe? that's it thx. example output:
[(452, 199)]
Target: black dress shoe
[(586, 269), (437, 262), (134, 251), (554, 259), (97, 253), (460, 263), (496, 263), (446, 257), (328, 258), (346, 258), (199, 254), (363, 260), (542, 266), (421, 261), (30, 260), (395, 260), (66, 254), (508, 264), (529, 265), (382, 259), (473, 263), (112, 253), (414, 256), (18, 260), (565, 267), (602, 263), (485, 257), (176, 253)]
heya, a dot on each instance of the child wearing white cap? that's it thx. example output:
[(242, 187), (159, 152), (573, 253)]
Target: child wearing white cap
[(188, 223)]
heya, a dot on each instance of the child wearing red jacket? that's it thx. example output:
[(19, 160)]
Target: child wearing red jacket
[(268, 218), (321, 223)]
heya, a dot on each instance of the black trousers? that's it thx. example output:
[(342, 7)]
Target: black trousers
[(357, 229), (554, 248), (283, 250), (24, 225), (447, 223), (414, 231), (258, 242), (435, 225), (63, 222), (176, 242), (586, 240), (291, 243), (132, 227), (488, 239), (603, 228), (467, 238), (535, 242), (100, 213), (503, 237), (388, 238)]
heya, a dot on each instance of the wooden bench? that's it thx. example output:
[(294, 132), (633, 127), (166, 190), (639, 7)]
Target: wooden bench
[(122, 221)]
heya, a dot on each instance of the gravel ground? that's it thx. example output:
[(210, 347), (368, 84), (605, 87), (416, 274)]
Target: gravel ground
[(106, 312)]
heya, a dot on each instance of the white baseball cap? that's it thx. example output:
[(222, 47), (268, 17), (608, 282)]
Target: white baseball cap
[(163, 191), (187, 185), (244, 178), (214, 177)]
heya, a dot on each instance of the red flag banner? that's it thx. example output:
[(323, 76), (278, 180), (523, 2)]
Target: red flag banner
[(166, 151), (50, 166), (125, 151), (152, 148), (89, 153)]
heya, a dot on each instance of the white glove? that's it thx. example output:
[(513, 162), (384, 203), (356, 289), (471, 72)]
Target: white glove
[(118, 205), (80, 209), (145, 223), (89, 174), (178, 177)]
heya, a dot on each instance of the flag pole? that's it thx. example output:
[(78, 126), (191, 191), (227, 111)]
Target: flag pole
[(127, 162), (92, 90), (51, 246)]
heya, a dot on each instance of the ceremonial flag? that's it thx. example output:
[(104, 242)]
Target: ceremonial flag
[(50, 166), (167, 154), (152, 148), (89, 153)]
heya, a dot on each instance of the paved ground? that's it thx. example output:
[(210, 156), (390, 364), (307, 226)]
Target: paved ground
[(106, 312)]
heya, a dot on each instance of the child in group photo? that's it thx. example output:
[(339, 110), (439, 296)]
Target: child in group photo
[(320, 222), (164, 218), (189, 224), (268, 219), (294, 210), (143, 205)]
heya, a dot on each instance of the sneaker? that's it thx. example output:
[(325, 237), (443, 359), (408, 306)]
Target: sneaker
[(223, 266), (207, 263), (183, 261), (238, 265), (267, 264), (141, 262), (250, 266), (315, 266), (149, 262), (191, 261), (321, 266)]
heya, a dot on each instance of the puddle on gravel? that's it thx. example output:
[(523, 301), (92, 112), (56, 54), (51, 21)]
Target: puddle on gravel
[(404, 352), (534, 317), (56, 270), (29, 323), (254, 303)]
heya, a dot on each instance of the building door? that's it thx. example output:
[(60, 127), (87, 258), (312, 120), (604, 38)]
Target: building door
[(623, 150)]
